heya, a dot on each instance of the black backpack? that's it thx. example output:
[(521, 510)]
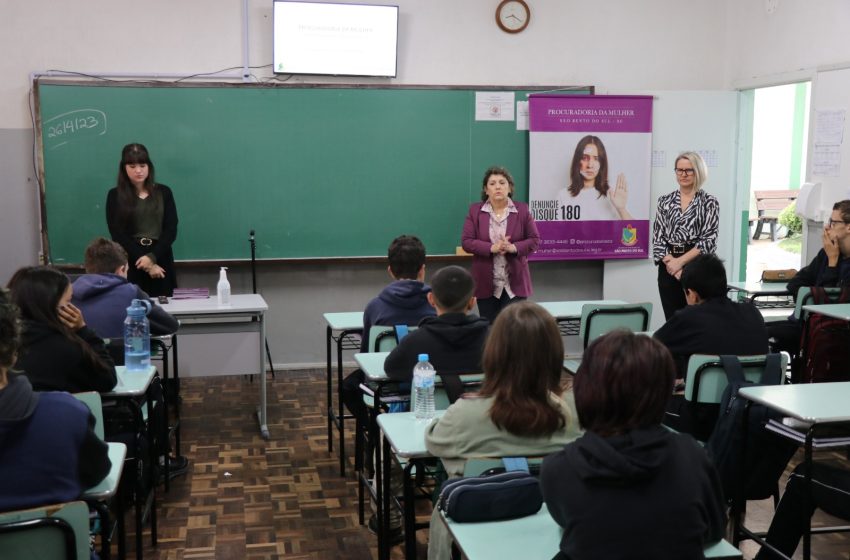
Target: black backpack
[(767, 453)]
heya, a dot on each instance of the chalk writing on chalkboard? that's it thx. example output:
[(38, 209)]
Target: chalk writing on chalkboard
[(61, 129)]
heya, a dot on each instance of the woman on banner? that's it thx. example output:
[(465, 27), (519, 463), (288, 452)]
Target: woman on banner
[(686, 224), (589, 196), (500, 233), (142, 218)]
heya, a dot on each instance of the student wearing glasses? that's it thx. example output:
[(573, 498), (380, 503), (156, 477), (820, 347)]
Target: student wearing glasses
[(829, 269), (686, 224)]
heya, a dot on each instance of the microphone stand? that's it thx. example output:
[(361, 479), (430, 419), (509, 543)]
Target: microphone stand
[(254, 290)]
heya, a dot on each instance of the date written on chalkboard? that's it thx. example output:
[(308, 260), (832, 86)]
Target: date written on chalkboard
[(63, 128)]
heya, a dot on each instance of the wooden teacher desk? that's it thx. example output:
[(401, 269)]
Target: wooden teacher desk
[(215, 324)]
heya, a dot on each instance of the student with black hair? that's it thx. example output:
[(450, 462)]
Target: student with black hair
[(711, 323), (453, 340)]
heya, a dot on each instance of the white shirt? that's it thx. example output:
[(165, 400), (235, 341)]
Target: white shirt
[(593, 207)]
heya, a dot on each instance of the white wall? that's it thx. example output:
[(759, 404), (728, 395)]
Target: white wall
[(619, 46), (766, 49)]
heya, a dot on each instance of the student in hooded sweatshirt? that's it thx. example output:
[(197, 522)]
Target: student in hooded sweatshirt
[(628, 477), (103, 294), (453, 340), (49, 452), (403, 302)]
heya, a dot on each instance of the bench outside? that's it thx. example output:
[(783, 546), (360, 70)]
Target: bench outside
[(769, 204)]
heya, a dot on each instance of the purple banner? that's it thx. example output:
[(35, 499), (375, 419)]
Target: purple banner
[(590, 113), (592, 240), (589, 174)]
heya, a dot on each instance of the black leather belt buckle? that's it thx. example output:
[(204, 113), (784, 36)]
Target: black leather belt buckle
[(677, 250), (145, 241)]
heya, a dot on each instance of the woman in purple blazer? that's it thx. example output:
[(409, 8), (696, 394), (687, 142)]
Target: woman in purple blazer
[(500, 234)]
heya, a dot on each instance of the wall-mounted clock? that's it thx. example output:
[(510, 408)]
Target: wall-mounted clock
[(512, 16)]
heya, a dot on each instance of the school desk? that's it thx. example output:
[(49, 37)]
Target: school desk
[(815, 405), (345, 329)]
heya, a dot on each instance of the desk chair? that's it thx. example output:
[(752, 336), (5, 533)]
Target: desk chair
[(705, 382), (102, 495), (381, 339), (50, 532), (160, 348), (601, 318)]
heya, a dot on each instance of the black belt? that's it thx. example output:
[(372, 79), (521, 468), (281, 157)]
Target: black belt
[(145, 241), (677, 250)]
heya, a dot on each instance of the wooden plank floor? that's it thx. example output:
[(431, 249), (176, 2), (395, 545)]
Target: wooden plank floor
[(245, 497)]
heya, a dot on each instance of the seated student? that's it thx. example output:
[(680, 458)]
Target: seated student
[(711, 323), (830, 492), (403, 302), (59, 352), (103, 293), (49, 452), (520, 410), (453, 339), (630, 488), (829, 269)]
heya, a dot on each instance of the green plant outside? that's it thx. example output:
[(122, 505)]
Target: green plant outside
[(790, 219)]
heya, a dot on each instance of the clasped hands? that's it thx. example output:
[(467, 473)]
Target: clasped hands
[(503, 246), (154, 270), (673, 265)]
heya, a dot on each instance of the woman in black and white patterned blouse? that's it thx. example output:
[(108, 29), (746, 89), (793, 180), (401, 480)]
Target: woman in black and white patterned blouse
[(686, 222)]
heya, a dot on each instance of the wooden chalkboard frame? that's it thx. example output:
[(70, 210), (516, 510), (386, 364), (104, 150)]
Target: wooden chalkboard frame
[(48, 227)]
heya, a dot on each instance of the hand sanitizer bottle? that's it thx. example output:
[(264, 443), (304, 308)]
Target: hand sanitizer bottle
[(223, 288)]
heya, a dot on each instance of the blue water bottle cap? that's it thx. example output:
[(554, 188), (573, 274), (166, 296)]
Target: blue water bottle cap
[(138, 308), (423, 357)]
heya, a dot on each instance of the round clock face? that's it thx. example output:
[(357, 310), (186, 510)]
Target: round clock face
[(512, 16)]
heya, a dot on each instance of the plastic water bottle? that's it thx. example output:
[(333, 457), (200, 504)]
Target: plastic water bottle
[(223, 288), (137, 336), (422, 397)]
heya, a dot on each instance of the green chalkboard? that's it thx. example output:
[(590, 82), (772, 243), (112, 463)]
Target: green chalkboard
[(316, 171)]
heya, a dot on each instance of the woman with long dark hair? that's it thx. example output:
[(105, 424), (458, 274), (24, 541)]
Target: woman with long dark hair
[(589, 190), (59, 352), (521, 409), (142, 218)]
